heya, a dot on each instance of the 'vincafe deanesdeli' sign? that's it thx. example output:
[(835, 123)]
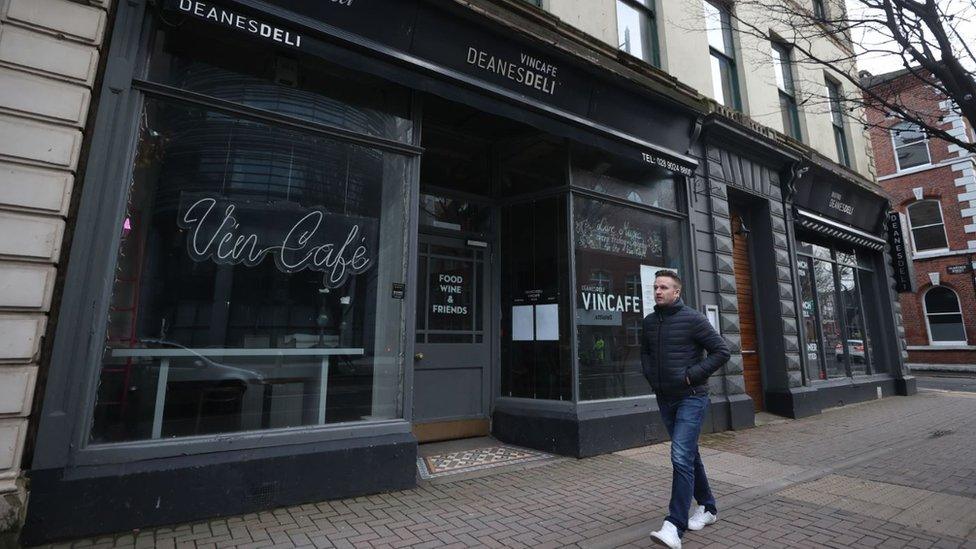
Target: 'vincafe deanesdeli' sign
[(232, 232)]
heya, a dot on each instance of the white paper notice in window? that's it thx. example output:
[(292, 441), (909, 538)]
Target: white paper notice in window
[(522, 323), (547, 322)]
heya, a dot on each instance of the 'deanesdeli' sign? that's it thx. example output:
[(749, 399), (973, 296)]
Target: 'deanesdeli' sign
[(225, 17), (901, 262), (841, 201)]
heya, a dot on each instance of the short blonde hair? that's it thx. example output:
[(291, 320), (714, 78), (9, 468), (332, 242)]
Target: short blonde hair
[(669, 274)]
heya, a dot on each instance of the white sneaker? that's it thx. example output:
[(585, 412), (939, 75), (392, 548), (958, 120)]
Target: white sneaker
[(701, 519), (667, 536)]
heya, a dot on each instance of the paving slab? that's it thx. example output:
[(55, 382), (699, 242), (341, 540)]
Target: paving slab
[(899, 472)]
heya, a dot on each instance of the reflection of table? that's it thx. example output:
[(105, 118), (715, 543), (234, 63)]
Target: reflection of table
[(164, 356)]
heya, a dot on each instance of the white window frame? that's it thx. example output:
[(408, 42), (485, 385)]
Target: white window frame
[(911, 227), (894, 148), (928, 327)]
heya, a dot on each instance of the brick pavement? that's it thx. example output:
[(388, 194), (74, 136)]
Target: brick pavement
[(779, 485)]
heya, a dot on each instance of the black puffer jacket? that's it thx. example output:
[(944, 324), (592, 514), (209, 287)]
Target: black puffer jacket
[(672, 345)]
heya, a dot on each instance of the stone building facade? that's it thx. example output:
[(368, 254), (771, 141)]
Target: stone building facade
[(50, 54)]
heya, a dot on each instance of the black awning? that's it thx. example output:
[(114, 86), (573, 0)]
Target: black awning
[(832, 229), (448, 51)]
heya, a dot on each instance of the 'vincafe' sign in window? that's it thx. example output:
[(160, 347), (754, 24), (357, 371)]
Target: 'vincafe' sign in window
[(231, 232)]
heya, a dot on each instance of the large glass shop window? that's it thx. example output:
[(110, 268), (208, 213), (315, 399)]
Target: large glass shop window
[(618, 250), (536, 353), (839, 310), (212, 61), (252, 289), (631, 181)]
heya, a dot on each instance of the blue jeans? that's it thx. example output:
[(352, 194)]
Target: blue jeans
[(683, 420)]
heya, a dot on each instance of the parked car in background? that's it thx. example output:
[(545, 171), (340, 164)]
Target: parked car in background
[(855, 348)]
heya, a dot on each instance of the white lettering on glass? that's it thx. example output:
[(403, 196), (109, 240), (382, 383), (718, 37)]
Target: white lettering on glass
[(610, 302), (452, 285), (529, 71), (218, 235), (665, 163), (227, 18)]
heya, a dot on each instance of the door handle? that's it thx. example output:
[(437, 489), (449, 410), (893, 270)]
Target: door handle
[(418, 356)]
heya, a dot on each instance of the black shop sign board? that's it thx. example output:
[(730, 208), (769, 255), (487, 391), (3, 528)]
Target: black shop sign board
[(841, 201), (901, 259), (455, 43)]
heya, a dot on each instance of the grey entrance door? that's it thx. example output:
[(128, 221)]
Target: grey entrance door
[(453, 350)]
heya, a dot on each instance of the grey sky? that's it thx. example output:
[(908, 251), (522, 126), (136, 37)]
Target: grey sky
[(879, 63)]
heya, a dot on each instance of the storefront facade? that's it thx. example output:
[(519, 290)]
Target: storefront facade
[(848, 270), (315, 237), (311, 237), (791, 256)]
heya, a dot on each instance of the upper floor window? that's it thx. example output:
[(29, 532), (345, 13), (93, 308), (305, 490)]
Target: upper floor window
[(911, 146), (819, 10), (944, 317), (928, 230), (636, 29), (725, 84), (783, 66), (836, 94)]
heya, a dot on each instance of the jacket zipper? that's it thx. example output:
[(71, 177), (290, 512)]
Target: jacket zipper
[(660, 348)]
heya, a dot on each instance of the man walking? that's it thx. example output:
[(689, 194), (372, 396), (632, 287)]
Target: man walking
[(672, 346)]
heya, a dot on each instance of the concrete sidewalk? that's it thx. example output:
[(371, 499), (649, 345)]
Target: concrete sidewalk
[(923, 369), (900, 472)]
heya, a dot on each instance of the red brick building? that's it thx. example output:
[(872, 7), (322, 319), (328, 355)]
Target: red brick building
[(932, 184)]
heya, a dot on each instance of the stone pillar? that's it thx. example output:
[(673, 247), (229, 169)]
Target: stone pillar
[(49, 55), (741, 413), (787, 300)]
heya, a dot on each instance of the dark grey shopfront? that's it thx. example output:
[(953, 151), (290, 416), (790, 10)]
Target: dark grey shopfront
[(314, 237), (313, 233)]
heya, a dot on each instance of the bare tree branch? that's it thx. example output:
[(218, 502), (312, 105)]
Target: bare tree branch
[(924, 34)]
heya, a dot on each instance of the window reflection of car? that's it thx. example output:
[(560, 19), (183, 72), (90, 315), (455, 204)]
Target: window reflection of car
[(855, 348), (196, 367)]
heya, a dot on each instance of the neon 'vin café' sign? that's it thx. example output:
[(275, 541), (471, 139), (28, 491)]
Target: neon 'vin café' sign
[(235, 232)]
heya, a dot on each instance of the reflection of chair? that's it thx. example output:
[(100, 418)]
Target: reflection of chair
[(222, 407)]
